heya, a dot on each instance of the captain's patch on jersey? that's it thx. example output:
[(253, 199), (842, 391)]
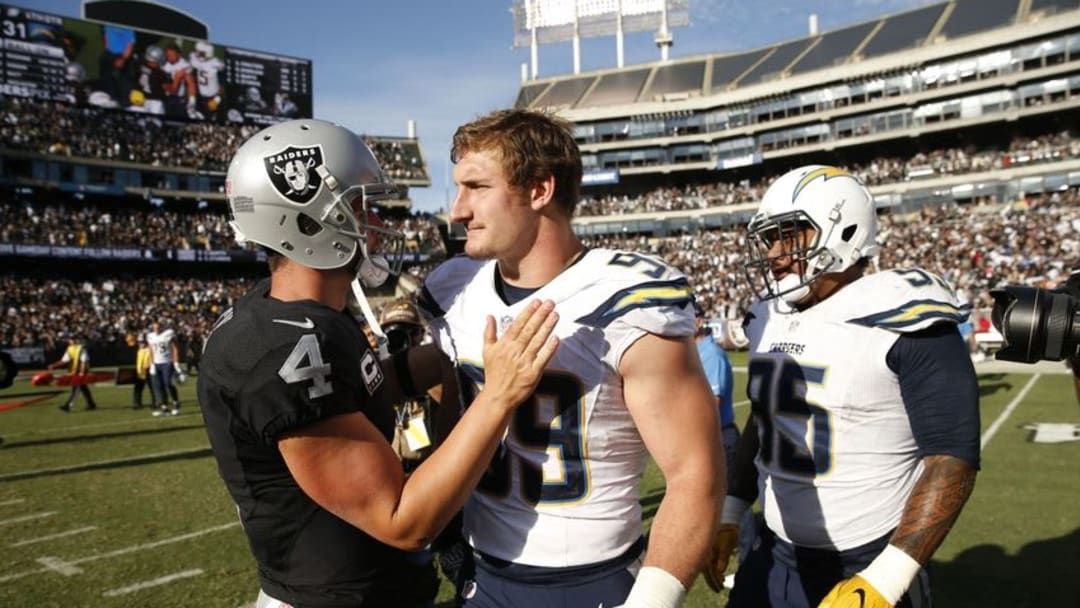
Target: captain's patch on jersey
[(292, 171), (371, 372)]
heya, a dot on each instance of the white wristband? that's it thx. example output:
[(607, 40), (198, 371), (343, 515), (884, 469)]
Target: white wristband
[(655, 588), (733, 510), (891, 573)]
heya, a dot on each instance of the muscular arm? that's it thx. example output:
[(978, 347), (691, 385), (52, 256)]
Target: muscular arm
[(941, 395), (934, 505), (675, 412), (346, 466)]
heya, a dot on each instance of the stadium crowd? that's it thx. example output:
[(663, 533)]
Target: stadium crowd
[(113, 226), (111, 309), (976, 247), (105, 225), (91, 132), (882, 170)]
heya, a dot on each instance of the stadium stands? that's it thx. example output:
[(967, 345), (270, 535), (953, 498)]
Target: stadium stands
[(109, 224), (62, 130), (963, 129)]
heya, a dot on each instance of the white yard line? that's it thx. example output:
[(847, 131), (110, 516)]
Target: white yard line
[(152, 583), (13, 501), (741, 403), (15, 520), (118, 552), (42, 539), (993, 428), (58, 565), (100, 463), (149, 420)]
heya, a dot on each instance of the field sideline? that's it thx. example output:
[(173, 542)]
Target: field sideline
[(117, 508)]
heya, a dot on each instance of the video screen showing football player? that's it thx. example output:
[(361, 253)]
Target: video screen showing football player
[(149, 94), (207, 67)]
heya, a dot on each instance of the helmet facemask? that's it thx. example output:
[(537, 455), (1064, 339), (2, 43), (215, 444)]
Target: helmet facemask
[(825, 220), (799, 254), (381, 249)]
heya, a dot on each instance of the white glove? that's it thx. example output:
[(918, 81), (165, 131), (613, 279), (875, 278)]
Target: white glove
[(153, 370)]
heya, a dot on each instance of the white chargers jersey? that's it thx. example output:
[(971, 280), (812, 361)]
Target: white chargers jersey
[(837, 459), (206, 74), (172, 69), (161, 345), (562, 490)]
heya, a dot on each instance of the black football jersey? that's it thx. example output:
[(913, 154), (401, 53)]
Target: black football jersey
[(270, 367)]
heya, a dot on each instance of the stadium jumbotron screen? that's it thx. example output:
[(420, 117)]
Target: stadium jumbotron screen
[(48, 56)]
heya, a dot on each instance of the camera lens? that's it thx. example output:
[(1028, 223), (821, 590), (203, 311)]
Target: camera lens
[(1036, 324)]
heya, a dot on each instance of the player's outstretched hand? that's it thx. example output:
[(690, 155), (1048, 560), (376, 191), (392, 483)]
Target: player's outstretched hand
[(514, 362)]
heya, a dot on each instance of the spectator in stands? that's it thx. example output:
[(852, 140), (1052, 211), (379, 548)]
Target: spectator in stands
[(78, 362)]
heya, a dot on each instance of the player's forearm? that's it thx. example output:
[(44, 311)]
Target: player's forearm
[(439, 487), (934, 505), (682, 530)]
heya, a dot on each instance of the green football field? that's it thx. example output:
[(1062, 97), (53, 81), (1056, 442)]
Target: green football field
[(116, 508)]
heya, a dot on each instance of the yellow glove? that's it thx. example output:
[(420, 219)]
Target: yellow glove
[(727, 537), (854, 592)]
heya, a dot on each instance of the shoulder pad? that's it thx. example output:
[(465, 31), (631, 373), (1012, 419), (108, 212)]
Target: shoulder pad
[(637, 282), (903, 300)]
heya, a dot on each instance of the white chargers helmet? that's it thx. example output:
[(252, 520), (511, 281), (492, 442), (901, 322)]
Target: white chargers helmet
[(831, 201), (203, 49), (306, 189)]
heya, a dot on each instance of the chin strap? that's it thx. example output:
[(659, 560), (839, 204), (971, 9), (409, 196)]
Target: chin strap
[(372, 321)]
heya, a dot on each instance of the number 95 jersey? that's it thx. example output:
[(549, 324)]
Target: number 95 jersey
[(562, 489), (837, 458)]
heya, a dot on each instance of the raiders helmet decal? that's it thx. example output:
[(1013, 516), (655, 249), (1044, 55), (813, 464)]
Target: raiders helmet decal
[(292, 171)]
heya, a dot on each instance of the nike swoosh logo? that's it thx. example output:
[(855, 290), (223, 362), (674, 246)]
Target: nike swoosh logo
[(305, 324)]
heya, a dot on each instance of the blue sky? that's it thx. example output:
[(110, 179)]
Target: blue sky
[(444, 62)]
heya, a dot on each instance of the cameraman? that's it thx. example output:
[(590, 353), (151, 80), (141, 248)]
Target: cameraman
[(400, 321), (417, 431)]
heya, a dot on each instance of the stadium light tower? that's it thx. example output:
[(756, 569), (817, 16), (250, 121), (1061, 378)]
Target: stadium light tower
[(539, 22)]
